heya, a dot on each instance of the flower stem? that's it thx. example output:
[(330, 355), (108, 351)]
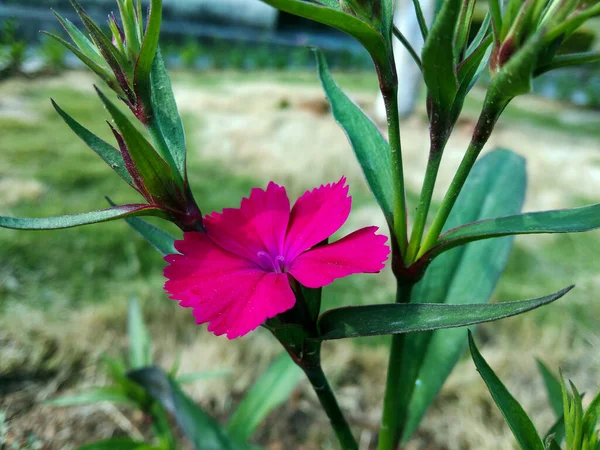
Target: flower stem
[(314, 372), (395, 404), (487, 120), (390, 97)]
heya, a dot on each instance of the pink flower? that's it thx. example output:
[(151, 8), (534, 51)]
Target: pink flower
[(238, 273)]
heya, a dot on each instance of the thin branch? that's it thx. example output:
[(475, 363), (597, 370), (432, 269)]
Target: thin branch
[(421, 19), (408, 47)]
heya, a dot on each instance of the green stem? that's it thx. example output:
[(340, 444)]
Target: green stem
[(408, 47), (395, 404), (433, 166), (487, 120), (390, 97), (314, 372), (421, 19)]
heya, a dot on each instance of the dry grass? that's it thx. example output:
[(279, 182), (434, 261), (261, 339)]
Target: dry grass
[(265, 130)]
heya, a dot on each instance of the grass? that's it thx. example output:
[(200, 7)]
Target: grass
[(65, 290)]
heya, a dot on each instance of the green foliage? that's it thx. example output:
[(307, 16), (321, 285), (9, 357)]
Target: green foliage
[(496, 186), (370, 148), (12, 50), (517, 419), (53, 53), (271, 390), (373, 320)]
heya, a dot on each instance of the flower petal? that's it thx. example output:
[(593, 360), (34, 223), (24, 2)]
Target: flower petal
[(360, 252), (229, 292), (258, 225), (316, 216)]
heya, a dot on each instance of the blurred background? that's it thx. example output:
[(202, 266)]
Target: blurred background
[(254, 111)]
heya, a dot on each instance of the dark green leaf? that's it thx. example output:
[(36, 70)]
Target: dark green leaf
[(368, 36), (104, 394), (143, 65), (573, 220), (517, 419), (75, 220), (370, 148), (107, 152), (553, 445), (271, 390), (496, 185), (373, 320), (117, 444), (438, 57), (165, 113), (203, 431), (140, 344), (575, 59), (553, 389), (155, 172)]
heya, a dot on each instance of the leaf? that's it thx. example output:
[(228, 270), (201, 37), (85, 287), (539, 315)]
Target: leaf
[(75, 220), (107, 152), (271, 390), (396, 318), (145, 59), (203, 431), (553, 389), (370, 148), (155, 172), (438, 57), (140, 344), (200, 376), (163, 242), (591, 418), (103, 394), (496, 185), (165, 113), (368, 36), (117, 444), (82, 42), (516, 418), (575, 220)]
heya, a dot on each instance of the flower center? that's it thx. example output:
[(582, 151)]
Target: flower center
[(276, 264)]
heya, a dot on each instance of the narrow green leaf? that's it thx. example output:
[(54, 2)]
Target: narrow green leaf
[(55, 223), (80, 40), (200, 376), (165, 113), (97, 395), (117, 444), (112, 56), (553, 389), (368, 36), (574, 59), (481, 35), (370, 148), (157, 175), (104, 150), (591, 418), (203, 431), (516, 418), (575, 220), (495, 186), (463, 29), (271, 390), (144, 62), (158, 238), (396, 318), (438, 57), (100, 70), (140, 344)]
